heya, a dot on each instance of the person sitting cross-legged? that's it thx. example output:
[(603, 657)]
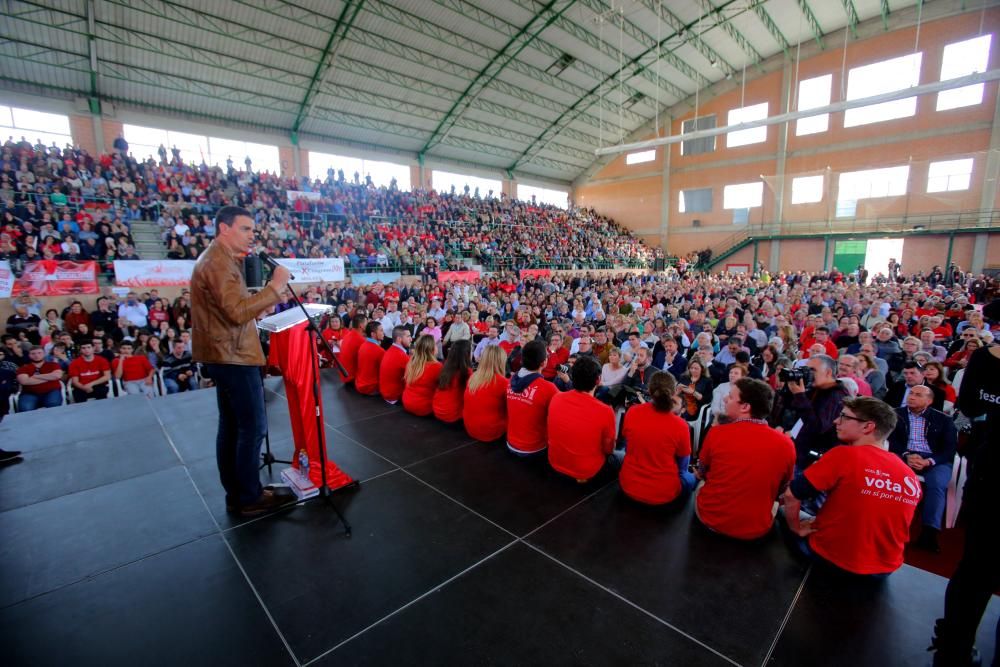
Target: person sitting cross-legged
[(178, 370), (580, 428), (926, 440), (528, 398), (744, 464), (89, 375), (370, 356), (40, 382), (657, 447), (871, 495)]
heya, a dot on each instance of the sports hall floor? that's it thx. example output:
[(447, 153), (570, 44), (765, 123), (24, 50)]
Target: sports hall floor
[(115, 549)]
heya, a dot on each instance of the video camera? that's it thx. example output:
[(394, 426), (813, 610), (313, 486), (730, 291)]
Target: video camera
[(803, 374)]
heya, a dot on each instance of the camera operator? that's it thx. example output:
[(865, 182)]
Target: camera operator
[(817, 405), (581, 429), (640, 370)]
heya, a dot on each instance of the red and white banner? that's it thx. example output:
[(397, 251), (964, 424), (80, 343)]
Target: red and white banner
[(327, 269), (6, 280), (50, 277), (458, 276), (535, 273), (153, 272), (299, 194)]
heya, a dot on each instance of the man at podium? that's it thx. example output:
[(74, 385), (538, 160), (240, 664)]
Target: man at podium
[(224, 339)]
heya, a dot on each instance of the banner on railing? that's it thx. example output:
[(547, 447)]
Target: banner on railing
[(6, 280), (49, 277), (299, 194), (458, 276), (153, 272), (327, 269), (535, 273), (372, 278), (737, 269)]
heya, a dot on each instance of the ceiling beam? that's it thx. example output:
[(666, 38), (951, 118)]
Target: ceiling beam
[(325, 63), (94, 99), (497, 63), (758, 8), (885, 14), (678, 26), (852, 17), (727, 27), (817, 29)]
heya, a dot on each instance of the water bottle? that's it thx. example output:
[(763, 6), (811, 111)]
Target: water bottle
[(303, 464)]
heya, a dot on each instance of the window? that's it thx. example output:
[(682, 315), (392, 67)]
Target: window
[(262, 157), (444, 181), (754, 135), (145, 142), (882, 77), (698, 146), (640, 157), (34, 126), (743, 195), (695, 201), (807, 189), (382, 173), (962, 59), (869, 184), (814, 93), (949, 175), (558, 198)]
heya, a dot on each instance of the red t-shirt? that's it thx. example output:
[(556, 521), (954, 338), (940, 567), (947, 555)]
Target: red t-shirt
[(447, 402), (137, 367), (88, 371), (390, 374), (484, 411), (831, 349), (31, 370), (527, 416), (746, 465), (369, 359), (556, 358), (348, 357), (581, 433), (418, 396), (653, 439), (865, 522)]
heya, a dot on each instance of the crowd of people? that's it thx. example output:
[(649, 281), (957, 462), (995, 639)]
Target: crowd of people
[(67, 204)]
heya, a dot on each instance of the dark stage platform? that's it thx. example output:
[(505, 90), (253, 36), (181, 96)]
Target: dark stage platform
[(116, 549)]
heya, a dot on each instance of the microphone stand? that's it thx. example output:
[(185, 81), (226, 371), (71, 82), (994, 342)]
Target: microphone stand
[(325, 492)]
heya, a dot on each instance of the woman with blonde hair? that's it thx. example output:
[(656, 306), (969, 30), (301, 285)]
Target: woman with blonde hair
[(421, 377), (484, 410)]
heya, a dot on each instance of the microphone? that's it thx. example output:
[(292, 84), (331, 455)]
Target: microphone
[(267, 259)]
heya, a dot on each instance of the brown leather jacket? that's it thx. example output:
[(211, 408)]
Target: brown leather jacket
[(223, 312)]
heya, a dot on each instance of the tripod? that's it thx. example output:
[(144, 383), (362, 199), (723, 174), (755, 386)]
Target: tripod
[(325, 492)]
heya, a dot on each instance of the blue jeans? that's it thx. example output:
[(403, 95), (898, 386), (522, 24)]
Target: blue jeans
[(173, 386), (936, 480), (27, 402), (242, 426)]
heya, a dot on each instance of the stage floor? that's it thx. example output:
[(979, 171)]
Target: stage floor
[(115, 549)]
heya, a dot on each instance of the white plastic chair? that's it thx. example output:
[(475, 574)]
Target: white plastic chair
[(698, 426), (956, 489)]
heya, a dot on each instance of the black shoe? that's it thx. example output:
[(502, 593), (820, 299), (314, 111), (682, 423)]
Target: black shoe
[(928, 540), (8, 455)]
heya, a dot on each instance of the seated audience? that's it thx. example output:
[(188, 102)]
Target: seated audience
[(133, 370), (581, 429), (89, 375), (179, 369), (447, 402), (393, 367), (41, 382), (657, 447), (350, 345), (484, 407), (871, 495), (528, 400), (926, 440), (421, 377), (370, 356), (744, 464)]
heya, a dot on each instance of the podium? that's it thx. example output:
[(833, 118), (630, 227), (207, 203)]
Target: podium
[(293, 350)]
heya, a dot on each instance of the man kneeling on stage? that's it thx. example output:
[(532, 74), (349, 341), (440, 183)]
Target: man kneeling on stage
[(224, 338)]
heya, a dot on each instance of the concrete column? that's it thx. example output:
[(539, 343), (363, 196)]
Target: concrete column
[(102, 145), (787, 81), (665, 199), (774, 260), (979, 253)]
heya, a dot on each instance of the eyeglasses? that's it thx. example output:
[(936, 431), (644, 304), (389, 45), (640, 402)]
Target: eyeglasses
[(851, 417)]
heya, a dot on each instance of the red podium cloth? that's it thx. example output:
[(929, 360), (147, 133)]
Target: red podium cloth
[(291, 352)]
